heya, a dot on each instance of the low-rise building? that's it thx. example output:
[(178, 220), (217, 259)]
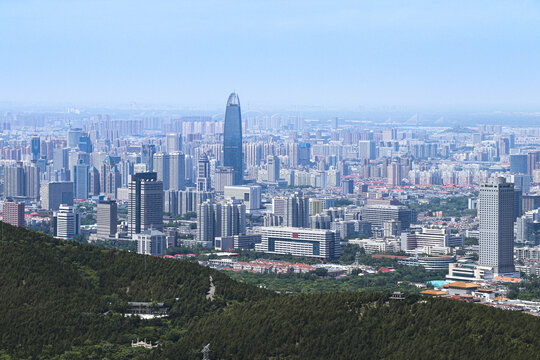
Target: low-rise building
[(151, 242), (315, 243), (469, 272)]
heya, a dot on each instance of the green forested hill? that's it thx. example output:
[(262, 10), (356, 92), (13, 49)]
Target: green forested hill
[(361, 326), (53, 296)]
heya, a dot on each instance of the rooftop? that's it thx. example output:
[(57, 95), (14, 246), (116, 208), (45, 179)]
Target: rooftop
[(461, 285)]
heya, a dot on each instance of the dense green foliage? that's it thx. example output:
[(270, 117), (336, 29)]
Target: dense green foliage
[(66, 300), (527, 290), (342, 202), (360, 326), (453, 206), (53, 294), (471, 241), (311, 283)]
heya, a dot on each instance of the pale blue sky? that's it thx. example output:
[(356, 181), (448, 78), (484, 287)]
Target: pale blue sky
[(337, 54)]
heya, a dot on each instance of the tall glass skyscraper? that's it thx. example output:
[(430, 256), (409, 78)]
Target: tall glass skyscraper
[(232, 139)]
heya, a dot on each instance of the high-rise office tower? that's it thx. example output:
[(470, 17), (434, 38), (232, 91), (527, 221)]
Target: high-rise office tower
[(107, 219), (203, 173), (76, 157), (496, 213), (13, 213), (55, 193), (162, 168), (80, 181), (177, 171), (518, 163), (297, 211), (224, 176), (347, 186), (110, 177), (173, 143), (66, 222), (533, 161), (73, 137), (191, 176), (85, 144), (35, 147), (394, 174), (60, 159), (93, 180), (272, 164), (145, 207), (147, 157), (232, 139)]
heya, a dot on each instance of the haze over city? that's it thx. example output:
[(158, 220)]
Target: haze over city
[(299, 55)]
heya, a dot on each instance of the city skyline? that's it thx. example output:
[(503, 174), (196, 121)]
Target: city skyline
[(384, 153)]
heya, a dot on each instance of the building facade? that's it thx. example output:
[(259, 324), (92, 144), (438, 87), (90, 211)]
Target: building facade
[(299, 242), (232, 139), (145, 206), (496, 214)]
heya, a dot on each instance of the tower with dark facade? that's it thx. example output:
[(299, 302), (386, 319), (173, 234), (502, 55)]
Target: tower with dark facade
[(232, 139)]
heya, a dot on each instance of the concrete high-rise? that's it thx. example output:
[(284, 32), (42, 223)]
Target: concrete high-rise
[(208, 222), (203, 173), (80, 181), (367, 149), (162, 168), (145, 206), (177, 171), (394, 174), (232, 139), (233, 218), (21, 181), (13, 213), (55, 193), (518, 163), (66, 222), (224, 176), (496, 213), (297, 211), (107, 219), (151, 242), (272, 165), (249, 194), (94, 187), (111, 178), (35, 148), (173, 142)]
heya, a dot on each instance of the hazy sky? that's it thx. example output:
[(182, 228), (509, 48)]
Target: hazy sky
[(335, 54)]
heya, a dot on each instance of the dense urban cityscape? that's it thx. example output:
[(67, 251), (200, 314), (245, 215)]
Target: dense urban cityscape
[(459, 201), (269, 180)]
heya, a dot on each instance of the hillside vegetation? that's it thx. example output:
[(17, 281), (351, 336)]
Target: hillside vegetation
[(65, 300), (361, 326), (53, 294)]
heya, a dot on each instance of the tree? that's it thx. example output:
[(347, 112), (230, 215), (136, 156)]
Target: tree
[(322, 272)]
